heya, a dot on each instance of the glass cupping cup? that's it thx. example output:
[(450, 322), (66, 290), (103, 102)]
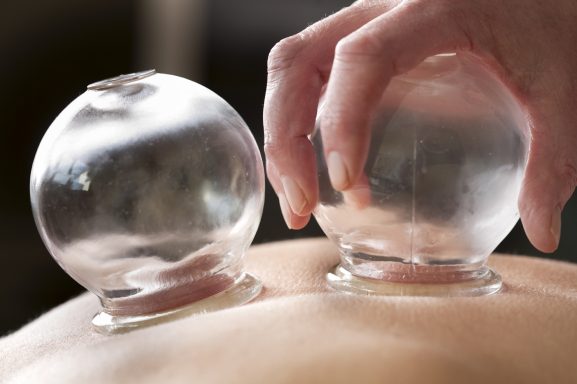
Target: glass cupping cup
[(147, 190), (439, 188)]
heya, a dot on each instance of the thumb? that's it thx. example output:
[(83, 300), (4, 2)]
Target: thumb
[(549, 180)]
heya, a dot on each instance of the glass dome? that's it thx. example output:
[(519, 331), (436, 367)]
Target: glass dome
[(439, 189), (147, 189)]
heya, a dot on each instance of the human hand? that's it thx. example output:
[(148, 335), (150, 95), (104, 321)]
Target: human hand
[(351, 56)]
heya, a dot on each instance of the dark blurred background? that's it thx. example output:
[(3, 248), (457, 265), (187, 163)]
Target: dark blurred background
[(51, 50)]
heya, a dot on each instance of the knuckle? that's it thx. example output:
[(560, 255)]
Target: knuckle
[(366, 4), (370, 4), (283, 54), (273, 150), (338, 124), (332, 121), (359, 45)]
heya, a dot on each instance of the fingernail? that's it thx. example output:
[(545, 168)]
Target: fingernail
[(556, 225), (337, 171), (294, 194), (285, 209)]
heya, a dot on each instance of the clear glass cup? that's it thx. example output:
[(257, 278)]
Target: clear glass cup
[(147, 190), (439, 189)]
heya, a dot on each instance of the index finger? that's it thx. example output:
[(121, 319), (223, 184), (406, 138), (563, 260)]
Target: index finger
[(298, 68)]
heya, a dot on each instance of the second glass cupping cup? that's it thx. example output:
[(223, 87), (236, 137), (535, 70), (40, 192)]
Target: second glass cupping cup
[(439, 188), (147, 189)]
